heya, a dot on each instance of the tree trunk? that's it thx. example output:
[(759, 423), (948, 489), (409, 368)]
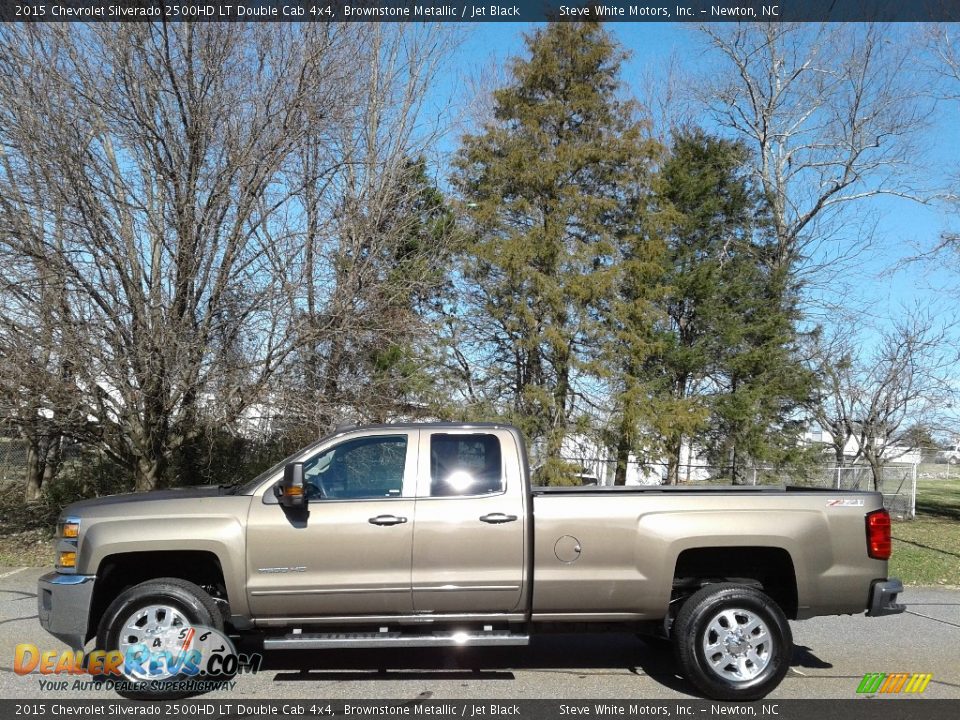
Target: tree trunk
[(673, 448), (34, 474), (838, 455), (148, 473), (54, 456), (623, 457), (558, 425), (876, 469)]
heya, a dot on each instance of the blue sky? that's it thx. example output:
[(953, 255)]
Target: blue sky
[(901, 226)]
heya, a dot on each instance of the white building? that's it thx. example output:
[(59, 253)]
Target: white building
[(894, 454)]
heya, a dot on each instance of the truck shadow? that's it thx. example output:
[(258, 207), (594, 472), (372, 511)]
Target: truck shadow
[(579, 655)]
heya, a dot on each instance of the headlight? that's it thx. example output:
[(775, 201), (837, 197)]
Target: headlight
[(69, 528)]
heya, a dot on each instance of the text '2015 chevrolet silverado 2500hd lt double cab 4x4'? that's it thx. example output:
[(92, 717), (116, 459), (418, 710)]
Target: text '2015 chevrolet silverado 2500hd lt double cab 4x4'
[(431, 535)]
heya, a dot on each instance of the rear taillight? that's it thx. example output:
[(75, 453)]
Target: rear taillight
[(878, 535)]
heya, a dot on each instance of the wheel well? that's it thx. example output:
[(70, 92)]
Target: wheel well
[(767, 568), (123, 570)]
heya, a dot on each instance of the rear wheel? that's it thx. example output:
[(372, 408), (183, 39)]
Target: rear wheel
[(732, 642)]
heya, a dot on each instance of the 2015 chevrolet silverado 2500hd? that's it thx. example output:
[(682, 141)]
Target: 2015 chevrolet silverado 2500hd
[(431, 535)]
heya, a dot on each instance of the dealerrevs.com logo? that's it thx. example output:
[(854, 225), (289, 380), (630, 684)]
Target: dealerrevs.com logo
[(891, 683), (178, 659)]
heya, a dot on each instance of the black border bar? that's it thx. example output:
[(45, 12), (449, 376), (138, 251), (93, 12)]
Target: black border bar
[(212, 708), (696, 11)]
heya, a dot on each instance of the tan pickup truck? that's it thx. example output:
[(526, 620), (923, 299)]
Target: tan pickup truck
[(431, 535)]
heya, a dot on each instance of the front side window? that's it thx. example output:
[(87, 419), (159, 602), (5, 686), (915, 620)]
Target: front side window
[(465, 465), (360, 469)]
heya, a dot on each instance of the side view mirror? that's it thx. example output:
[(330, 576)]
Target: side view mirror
[(290, 491)]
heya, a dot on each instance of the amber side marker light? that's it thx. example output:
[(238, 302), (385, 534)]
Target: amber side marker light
[(67, 559), (70, 530), (879, 545)]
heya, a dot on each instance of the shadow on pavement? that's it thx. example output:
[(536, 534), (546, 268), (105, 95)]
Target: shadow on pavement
[(804, 657), (575, 655)]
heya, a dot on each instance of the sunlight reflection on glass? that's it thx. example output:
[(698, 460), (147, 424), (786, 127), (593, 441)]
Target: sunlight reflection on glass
[(460, 480)]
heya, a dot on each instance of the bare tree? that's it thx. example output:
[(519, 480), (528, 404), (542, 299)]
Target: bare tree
[(832, 358), (876, 397), (141, 171), (830, 112), (376, 240), (943, 46), (37, 394)]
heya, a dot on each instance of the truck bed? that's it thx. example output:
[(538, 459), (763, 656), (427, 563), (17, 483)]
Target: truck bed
[(614, 551)]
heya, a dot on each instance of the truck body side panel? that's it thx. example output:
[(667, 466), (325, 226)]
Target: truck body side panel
[(629, 545)]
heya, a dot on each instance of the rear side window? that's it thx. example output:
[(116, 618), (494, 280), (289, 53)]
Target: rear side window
[(465, 465)]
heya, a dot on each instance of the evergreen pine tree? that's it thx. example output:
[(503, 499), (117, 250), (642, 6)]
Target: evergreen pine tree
[(729, 362), (550, 186)]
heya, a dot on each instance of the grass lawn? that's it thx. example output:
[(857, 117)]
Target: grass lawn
[(926, 551), (32, 548), (26, 530)]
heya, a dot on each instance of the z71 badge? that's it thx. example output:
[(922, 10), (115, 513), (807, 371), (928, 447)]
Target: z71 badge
[(845, 502)]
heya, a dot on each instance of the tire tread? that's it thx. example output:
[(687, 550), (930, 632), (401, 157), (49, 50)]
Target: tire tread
[(707, 599)]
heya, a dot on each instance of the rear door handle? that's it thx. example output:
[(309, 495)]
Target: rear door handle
[(387, 520), (497, 518)]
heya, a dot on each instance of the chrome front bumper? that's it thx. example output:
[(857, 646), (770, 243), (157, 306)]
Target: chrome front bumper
[(883, 598), (63, 604)]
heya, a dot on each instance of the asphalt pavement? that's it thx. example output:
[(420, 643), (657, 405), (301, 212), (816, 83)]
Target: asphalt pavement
[(832, 655)]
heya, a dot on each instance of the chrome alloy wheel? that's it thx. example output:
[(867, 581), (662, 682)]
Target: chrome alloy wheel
[(156, 626), (737, 645)]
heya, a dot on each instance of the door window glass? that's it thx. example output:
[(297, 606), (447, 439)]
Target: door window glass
[(465, 465), (360, 469)]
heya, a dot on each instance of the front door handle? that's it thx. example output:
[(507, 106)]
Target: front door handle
[(497, 518), (387, 520)]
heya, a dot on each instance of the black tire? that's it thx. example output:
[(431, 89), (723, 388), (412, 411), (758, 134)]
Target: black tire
[(770, 643), (191, 600)]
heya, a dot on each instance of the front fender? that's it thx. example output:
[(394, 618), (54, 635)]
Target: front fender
[(223, 536)]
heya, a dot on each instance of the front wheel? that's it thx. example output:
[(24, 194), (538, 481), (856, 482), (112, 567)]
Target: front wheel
[(157, 616), (732, 642)]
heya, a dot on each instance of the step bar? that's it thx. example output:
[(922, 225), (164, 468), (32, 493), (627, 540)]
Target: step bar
[(327, 641)]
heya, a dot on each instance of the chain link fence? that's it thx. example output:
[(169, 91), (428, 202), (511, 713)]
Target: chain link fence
[(13, 460), (898, 482)]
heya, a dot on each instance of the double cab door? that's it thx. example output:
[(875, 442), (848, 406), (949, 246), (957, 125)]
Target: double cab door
[(399, 522)]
